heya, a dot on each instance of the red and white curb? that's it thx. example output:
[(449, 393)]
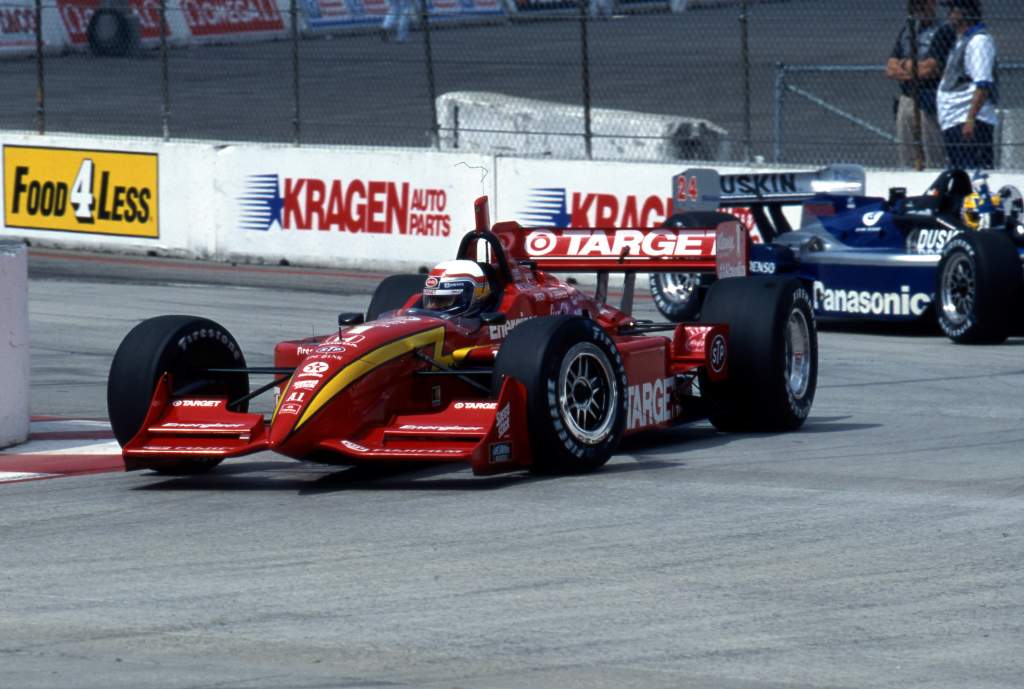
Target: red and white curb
[(61, 447)]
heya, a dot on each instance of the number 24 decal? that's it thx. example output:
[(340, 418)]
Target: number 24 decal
[(687, 189)]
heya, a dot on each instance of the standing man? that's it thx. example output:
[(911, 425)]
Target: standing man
[(969, 90), (933, 45), (398, 17)]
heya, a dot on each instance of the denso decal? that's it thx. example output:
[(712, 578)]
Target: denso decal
[(353, 205), (553, 207), (603, 244), (865, 302), (766, 267), (219, 17), (501, 331), (929, 241), (649, 404), (500, 452)]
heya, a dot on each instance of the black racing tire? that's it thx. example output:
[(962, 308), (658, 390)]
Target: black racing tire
[(393, 292), (181, 346), (111, 33), (979, 288), (772, 354), (547, 355), (678, 296), (1015, 229)]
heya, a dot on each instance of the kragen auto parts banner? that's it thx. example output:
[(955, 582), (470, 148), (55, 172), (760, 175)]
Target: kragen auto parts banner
[(79, 190)]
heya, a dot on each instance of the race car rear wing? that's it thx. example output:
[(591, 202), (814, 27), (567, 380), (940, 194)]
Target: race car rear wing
[(722, 249), (618, 250), (704, 189)]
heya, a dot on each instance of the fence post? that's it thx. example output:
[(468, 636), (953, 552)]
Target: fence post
[(780, 89), (293, 10), (916, 133), (435, 128), (745, 57), (585, 48), (40, 91), (165, 82)]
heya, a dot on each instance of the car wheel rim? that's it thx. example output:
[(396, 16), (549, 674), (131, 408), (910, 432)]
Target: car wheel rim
[(958, 289), (587, 396), (798, 354), (678, 288)]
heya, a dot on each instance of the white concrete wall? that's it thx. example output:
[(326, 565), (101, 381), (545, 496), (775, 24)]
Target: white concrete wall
[(14, 343), (385, 209)]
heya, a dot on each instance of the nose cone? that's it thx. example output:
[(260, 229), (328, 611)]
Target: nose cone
[(335, 365), (302, 389)]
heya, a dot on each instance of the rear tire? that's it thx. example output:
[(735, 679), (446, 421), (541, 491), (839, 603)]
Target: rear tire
[(678, 296), (772, 354), (181, 346), (979, 288), (112, 33), (575, 391), (393, 292)]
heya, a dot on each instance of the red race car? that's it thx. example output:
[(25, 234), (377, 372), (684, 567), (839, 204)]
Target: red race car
[(489, 359)]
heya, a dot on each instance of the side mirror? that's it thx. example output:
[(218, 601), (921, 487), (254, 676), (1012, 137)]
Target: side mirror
[(349, 318), (493, 318)]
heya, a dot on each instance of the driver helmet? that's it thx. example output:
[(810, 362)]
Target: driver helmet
[(455, 288), (981, 210)]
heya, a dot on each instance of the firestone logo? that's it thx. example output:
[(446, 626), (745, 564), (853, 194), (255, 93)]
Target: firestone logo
[(354, 205), (556, 207)]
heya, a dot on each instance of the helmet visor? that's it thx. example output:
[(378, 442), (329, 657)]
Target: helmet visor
[(449, 297)]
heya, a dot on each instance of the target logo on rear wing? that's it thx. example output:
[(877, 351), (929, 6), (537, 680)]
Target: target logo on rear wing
[(616, 250)]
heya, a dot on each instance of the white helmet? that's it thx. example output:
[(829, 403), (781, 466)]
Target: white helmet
[(456, 287)]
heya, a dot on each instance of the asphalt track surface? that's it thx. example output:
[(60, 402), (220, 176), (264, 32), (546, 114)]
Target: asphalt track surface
[(880, 546), (356, 90)]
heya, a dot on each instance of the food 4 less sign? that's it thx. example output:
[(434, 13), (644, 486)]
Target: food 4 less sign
[(74, 190)]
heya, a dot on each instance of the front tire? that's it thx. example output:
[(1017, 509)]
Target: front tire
[(773, 354), (978, 288), (183, 346), (575, 391)]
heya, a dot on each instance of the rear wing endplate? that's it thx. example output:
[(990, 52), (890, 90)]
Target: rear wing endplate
[(704, 189)]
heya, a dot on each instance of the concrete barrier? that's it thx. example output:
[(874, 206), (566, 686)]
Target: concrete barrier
[(494, 123), (14, 342), (385, 209)]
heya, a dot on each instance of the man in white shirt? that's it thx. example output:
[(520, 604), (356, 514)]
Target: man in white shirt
[(968, 90)]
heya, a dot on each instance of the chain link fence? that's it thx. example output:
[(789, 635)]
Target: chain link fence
[(794, 82)]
